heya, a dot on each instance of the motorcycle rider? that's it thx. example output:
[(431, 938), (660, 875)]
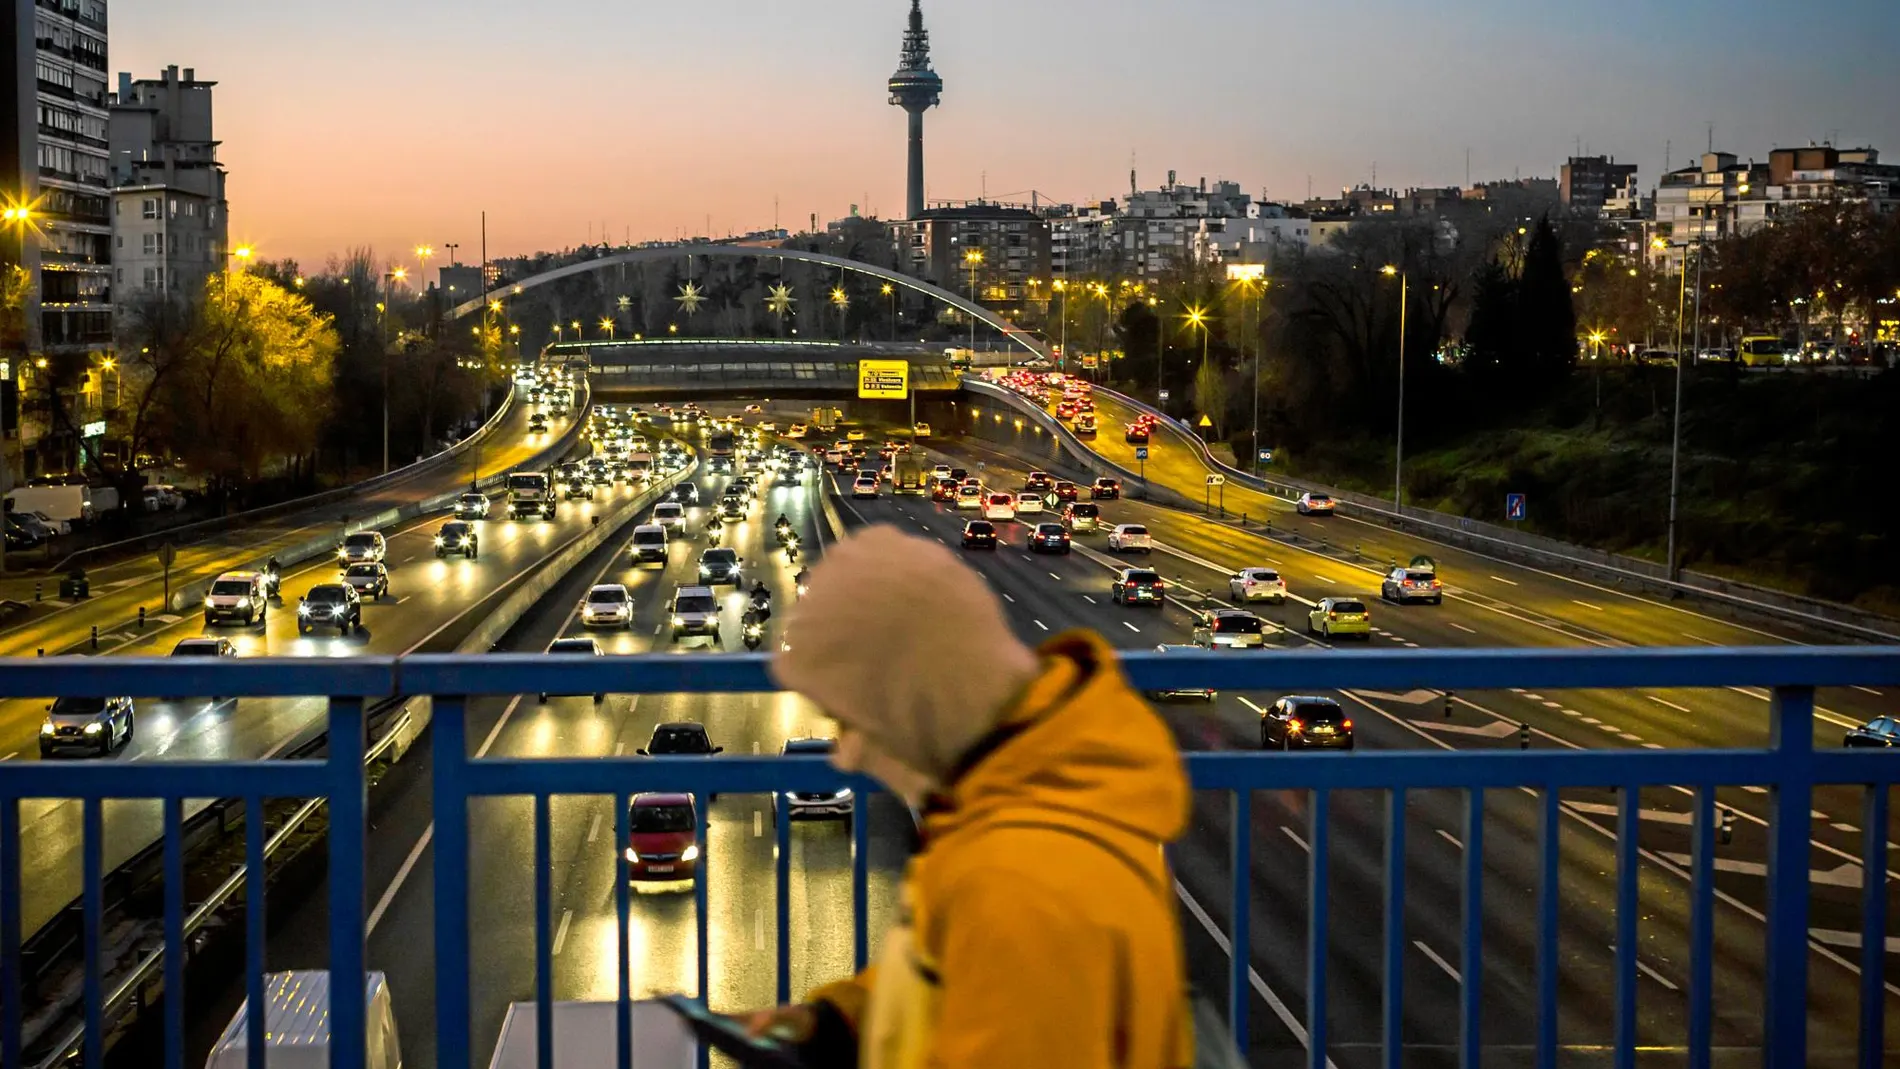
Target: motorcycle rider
[(271, 576), (762, 600)]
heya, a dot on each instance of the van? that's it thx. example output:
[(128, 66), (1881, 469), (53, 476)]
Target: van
[(649, 544), (1082, 516), (297, 1025)]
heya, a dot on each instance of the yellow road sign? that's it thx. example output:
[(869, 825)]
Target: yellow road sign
[(1205, 422), (883, 379)]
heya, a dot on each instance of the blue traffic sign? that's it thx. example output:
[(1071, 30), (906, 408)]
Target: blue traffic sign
[(1141, 452), (1514, 506), (1266, 456)]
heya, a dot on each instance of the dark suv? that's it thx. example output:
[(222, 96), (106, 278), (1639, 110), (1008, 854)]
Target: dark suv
[(1049, 538), (979, 534), (1138, 586), (330, 605), (1304, 722)]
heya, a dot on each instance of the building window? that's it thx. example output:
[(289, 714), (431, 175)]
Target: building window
[(118, 242), (151, 277), (149, 207), (151, 244)]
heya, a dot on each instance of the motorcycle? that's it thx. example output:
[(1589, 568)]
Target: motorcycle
[(791, 550), (754, 635), (802, 582), (784, 532), (272, 581)]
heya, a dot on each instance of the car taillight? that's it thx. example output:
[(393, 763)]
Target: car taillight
[(1131, 586), (1345, 725), (1332, 615), (1295, 726)]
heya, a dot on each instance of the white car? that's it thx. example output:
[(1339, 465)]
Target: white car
[(797, 430), (1028, 502), (1231, 629), (940, 471), (472, 506), (999, 507), (607, 605), (1130, 538), (670, 515), (1311, 504), (767, 426), (695, 613), (864, 486), (363, 547), (969, 497), (921, 430), (1257, 584)]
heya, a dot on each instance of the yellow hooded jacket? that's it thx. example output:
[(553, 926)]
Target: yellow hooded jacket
[(1037, 927)]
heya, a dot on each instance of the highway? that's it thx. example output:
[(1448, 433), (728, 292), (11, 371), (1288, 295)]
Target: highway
[(739, 859), (120, 588), (427, 596)]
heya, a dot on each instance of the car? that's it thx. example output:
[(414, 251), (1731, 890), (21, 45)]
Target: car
[(99, 725), (1028, 503), (1257, 584), (1050, 538), (1340, 616), (958, 475), (363, 547), (649, 544), (979, 534), (662, 839), (1105, 489), (1231, 629), (457, 536), (585, 647), (920, 430), (1085, 426), (670, 515), (721, 565), (864, 486), (537, 424), (854, 435), (999, 506), (1138, 586), (241, 596), (1130, 538), (607, 605), (695, 613), (752, 410), (1039, 481), (969, 497), (1880, 731), (813, 805), (943, 490), (578, 489), (797, 430), (1205, 694), (1066, 490), (686, 493), (472, 507), (1305, 722), (679, 738), (1413, 583), (744, 487), (368, 580), (1314, 504), (1136, 434), (1065, 410), (1082, 517), (329, 605), (942, 471), (732, 507), (204, 647)]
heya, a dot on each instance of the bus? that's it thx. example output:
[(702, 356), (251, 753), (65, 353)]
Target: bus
[(1763, 350)]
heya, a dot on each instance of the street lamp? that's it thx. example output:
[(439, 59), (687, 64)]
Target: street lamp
[(1596, 368), (890, 295), (423, 253), (1675, 437), (973, 258), (841, 300), (1196, 316), (1062, 287), (390, 279), (607, 324), (1398, 448)]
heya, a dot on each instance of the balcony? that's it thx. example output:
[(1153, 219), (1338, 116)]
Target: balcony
[(1753, 982)]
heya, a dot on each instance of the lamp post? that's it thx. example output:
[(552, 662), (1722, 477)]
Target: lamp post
[(1161, 334), (1398, 447), (1062, 287), (973, 258), (1196, 316), (1596, 367), (890, 296), (842, 301), (1675, 434), (607, 325), (390, 279)]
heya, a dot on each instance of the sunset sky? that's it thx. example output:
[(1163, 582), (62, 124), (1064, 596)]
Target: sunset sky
[(351, 123)]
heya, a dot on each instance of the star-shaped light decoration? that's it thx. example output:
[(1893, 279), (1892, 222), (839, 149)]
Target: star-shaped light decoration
[(625, 302), (780, 300), (690, 298)]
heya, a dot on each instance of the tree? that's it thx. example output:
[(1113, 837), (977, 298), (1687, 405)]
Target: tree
[(1210, 396), (1546, 318)]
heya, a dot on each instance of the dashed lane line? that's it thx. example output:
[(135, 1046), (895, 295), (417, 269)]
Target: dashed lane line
[(1131, 627), (1585, 604), (1042, 625), (1670, 704), (560, 933), (1461, 627), (1503, 580), (1438, 961), (1450, 838), (1090, 600), (1295, 836)]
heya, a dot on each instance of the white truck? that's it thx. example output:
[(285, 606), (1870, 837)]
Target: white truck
[(586, 1037), (74, 504), (530, 494), (297, 1026)]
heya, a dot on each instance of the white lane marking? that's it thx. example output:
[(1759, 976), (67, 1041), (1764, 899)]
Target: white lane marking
[(560, 933), (1844, 827), (1699, 638), (10, 756), (656, 628), (1461, 627), (1028, 557), (1009, 599), (1090, 600), (1846, 874), (1503, 580), (1670, 704), (1548, 704), (1661, 816), (1295, 836), (409, 558), (1042, 625), (404, 598), (593, 830), (1325, 578), (940, 539), (1450, 838), (758, 823), (1570, 712), (620, 749), (1131, 627), (1267, 994), (1438, 961), (1528, 696), (1753, 789), (1652, 746), (1867, 690), (1627, 737), (1411, 645), (1054, 576), (1592, 720), (1586, 604), (1848, 939), (1651, 973), (758, 928), (755, 746), (395, 885)]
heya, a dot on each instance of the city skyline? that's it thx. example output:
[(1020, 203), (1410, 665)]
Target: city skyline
[(676, 143)]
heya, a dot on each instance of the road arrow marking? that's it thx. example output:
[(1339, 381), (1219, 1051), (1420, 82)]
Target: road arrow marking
[(1833, 937), (1602, 809), (1410, 697), (1496, 729), (1846, 874)]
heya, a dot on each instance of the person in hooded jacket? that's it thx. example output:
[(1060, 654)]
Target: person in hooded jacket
[(1036, 925)]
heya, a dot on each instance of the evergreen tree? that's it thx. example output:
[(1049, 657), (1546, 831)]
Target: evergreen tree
[(1491, 335), (1546, 316)]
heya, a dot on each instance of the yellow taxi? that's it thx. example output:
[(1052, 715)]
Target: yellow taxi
[(1340, 616)]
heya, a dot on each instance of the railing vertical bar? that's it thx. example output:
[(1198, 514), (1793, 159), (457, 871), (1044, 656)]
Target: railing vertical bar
[(1471, 957), (1240, 908), (1873, 926), (623, 912), (348, 851), (1549, 900), (93, 871), (256, 1034), (1702, 929), (1629, 812), (702, 920), (1393, 1003), (782, 883), (1785, 1014), (1319, 836), (174, 863), (861, 886), (543, 937), (448, 760), (12, 1014)]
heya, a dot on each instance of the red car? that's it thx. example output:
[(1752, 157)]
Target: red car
[(1066, 490), (943, 490), (1105, 487), (661, 839), (1136, 434)]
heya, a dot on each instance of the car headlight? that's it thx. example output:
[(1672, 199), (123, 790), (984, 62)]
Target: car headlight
[(207, 601), (679, 621), (94, 728), (438, 540), (340, 610), (633, 856), (691, 853), (46, 728)]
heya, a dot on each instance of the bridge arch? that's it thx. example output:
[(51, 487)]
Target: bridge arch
[(743, 252)]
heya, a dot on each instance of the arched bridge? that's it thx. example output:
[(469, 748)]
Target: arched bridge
[(745, 252)]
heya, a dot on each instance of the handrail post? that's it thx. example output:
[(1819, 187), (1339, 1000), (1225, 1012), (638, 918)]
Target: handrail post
[(1785, 1009), (449, 765), (349, 803)]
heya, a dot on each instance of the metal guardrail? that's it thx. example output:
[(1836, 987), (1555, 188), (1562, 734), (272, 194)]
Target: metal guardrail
[(1789, 767)]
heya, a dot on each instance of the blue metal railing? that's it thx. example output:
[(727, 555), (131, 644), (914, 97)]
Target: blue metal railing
[(1789, 768)]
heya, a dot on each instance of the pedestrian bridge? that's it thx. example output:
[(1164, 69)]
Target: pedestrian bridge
[(712, 368), (1785, 998)]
